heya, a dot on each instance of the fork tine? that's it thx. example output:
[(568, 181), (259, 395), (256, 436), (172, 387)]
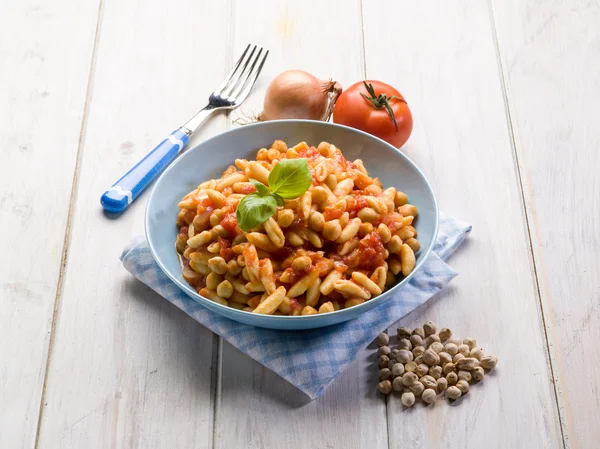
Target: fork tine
[(233, 71), (240, 97), (244, 78), (226, 93)]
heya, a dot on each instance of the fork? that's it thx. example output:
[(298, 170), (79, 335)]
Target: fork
[(231, 93)]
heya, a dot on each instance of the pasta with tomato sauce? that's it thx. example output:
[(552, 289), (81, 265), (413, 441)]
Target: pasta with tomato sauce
[(342, 242)]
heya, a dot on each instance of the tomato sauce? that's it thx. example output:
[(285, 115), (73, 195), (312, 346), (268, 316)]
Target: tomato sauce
[(332, 212), (312, 154), (183, 232), (229, 223), (369, 255), (292, 275), (226, 252), (247, 189)]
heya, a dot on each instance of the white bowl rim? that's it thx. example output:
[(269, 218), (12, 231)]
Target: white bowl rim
[(352, 310)]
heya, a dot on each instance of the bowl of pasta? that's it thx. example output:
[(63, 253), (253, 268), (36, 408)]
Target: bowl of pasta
[(291, 224)]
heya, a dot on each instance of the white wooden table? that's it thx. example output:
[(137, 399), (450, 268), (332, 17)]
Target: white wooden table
[(505, 97)]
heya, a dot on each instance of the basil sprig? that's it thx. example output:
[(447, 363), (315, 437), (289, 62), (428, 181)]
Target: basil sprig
[(289, 179)]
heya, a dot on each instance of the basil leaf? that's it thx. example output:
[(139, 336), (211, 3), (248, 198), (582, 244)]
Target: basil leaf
[(290, 178), (254, 209), (280, 201), (262, 189)]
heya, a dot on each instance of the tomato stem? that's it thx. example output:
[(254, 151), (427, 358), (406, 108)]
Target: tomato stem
[(381, 101)]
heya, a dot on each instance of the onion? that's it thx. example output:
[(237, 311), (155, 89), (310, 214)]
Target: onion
[(300, 95)]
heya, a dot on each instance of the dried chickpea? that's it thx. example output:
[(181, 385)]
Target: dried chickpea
[(453, 393), (418, 359), (404, 343), (403, 332), (478, 374), (385, 387), (435, 372), (429, 396), (452, 378), (470, 342), (409, 378), (437, 347), (418, 350), (408, 399), (464, 375), (444, 358), (429, 328), (445, 334), (476, 353), (419, 331), (417, 340), (488, 362), (384, 350), (428, 381), (410, 367), (382, 339), (421, 370), (397, 384), (451, 349), (442, 384), (404, 356), (383, 361), (430, 357), (463, 386), (457, 357), (417, 389), (385, 374), (449, 368), (432, 339), (467, 364), (397, 369), (464, 350)]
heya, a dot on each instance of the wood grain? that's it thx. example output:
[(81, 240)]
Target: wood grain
[(42, 97), (441, 56), (128, 370), (549, 53), (256, 408)]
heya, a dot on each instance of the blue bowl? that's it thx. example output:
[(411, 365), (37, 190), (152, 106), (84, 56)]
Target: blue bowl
[(208, 160)]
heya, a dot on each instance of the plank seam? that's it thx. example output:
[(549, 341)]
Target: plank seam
[(217, 361), (364, 54), (72, 200), (513, 144)]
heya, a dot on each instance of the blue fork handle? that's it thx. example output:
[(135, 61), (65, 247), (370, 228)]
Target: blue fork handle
[(128, 188)]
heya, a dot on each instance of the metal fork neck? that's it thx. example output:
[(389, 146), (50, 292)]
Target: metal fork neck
[(194, 123)]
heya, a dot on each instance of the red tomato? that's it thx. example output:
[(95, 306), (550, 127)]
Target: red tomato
[(371, 114)]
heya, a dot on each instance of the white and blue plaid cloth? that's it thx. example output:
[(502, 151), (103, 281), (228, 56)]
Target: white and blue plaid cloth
[(309, 359)]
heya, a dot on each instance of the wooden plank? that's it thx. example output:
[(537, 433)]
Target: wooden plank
[(551, 61), (256, 408), (43, 83), (442, 57), (129, 370)]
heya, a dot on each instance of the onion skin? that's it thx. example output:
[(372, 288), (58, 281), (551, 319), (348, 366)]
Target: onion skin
[(296, 94)]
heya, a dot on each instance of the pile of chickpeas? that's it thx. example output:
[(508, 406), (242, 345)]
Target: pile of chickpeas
[(426, 363)]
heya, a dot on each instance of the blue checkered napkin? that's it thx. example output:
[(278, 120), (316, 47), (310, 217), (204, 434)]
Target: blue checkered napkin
[(309, 359)]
